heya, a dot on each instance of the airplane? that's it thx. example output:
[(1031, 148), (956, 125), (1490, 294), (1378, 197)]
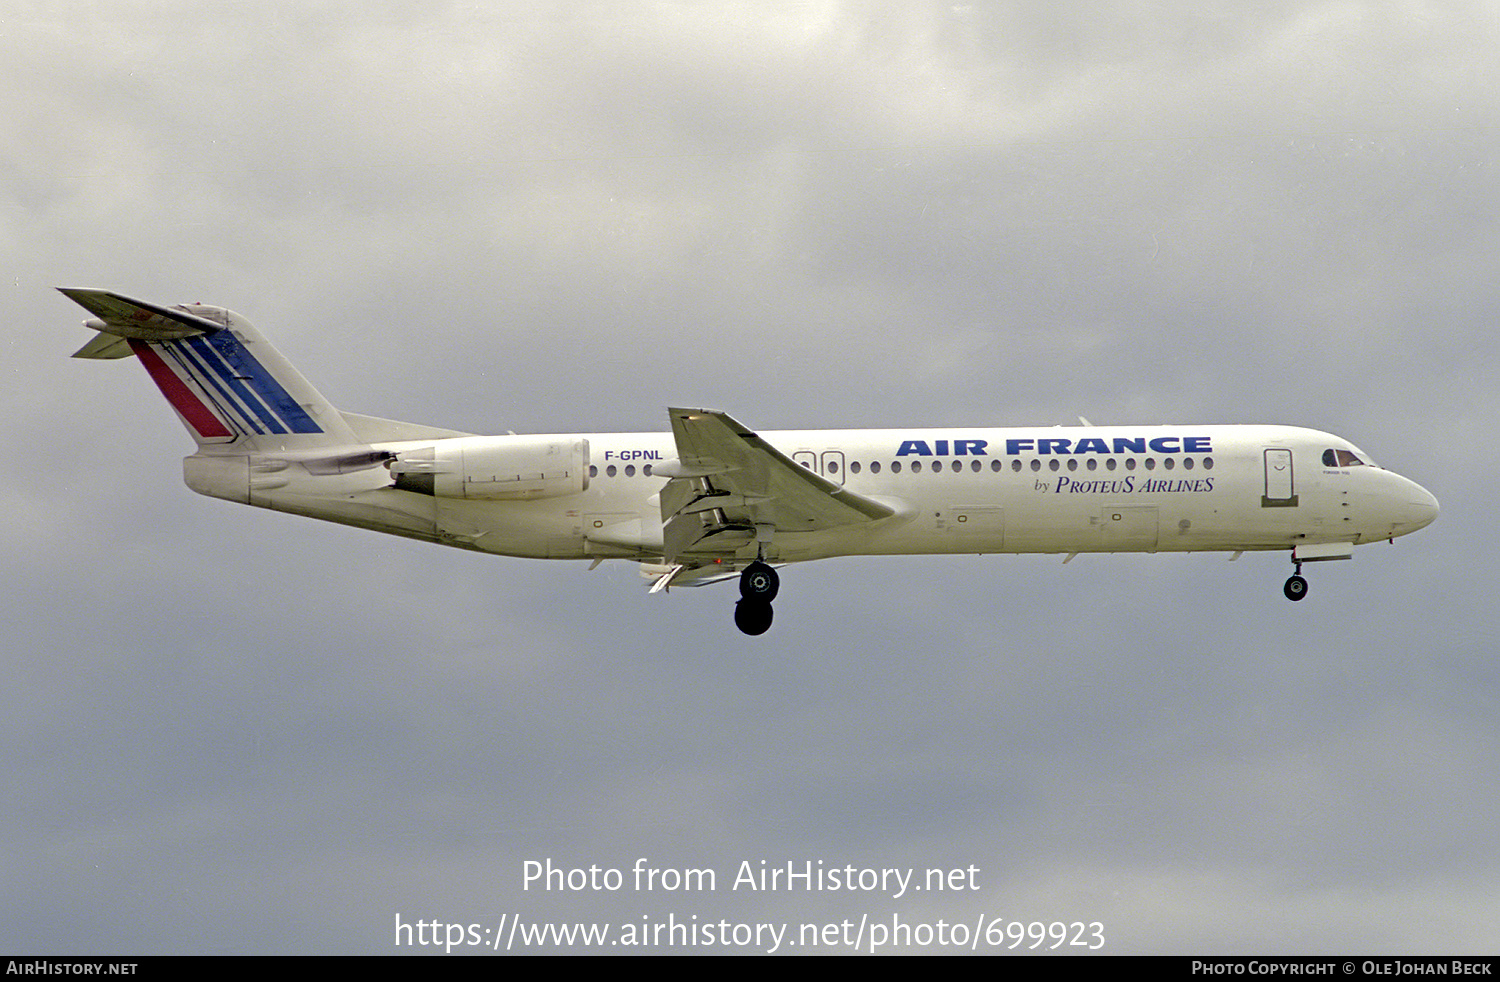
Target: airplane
[(713, 500)]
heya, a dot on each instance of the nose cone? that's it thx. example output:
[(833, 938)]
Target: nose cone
[(1419, 510)]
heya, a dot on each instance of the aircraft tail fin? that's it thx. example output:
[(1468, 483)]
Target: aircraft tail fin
[(227, 384)]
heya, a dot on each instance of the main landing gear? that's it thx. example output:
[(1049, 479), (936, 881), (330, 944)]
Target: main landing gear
[(758, 586), (1296, 586)]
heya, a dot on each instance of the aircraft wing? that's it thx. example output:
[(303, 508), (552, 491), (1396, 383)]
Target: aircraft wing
[(729, 487)]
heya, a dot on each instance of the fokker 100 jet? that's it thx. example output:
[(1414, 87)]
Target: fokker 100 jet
[(714, 500)]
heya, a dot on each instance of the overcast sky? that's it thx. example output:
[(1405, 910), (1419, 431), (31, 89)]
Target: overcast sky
[(228, 730)]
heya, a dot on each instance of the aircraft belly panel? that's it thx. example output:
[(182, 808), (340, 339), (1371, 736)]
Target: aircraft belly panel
[(976, 529), (1129, 528)]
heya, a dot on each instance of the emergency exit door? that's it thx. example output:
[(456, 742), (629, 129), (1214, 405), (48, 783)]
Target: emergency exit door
[(830, 463)]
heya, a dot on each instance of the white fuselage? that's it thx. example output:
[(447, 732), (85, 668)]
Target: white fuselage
[(980, 490)]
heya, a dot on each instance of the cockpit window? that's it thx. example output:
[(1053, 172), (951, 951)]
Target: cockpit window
[(1341, 458)]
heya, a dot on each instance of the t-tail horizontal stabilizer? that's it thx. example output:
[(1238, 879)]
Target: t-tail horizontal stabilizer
[(121, 319)]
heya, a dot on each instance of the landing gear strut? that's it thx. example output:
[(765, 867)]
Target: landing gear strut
[(1296, 586), (758, 586)]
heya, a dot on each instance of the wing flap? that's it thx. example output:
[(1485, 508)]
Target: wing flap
[(663, 578)]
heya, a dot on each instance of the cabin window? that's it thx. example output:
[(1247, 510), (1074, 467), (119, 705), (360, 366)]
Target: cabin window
[(1187, 463), (630, 470), (1072, 463), (1093, 464), (610, 471), (593, 470), (874, 467), (1208, 463), (1130, 463), (1168, 463), (854, 467), (1036, 465), (1110, 464), (896, 467)]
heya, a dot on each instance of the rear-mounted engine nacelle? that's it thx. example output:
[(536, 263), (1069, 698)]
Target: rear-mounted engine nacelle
[(496, 467)]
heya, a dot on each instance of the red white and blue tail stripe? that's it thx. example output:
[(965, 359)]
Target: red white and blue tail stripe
[(219, 388)]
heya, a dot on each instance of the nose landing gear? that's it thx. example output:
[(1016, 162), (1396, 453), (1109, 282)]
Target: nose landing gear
[(759, 584), (1296, 586)]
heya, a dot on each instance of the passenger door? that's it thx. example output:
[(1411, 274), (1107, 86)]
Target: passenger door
[(1281, 487)]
